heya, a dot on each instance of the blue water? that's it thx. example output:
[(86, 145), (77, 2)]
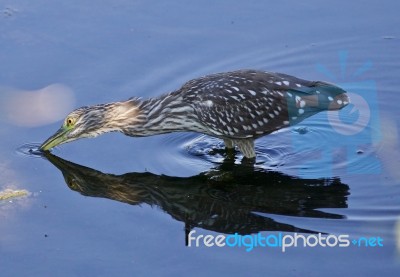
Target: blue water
[(116, 205)]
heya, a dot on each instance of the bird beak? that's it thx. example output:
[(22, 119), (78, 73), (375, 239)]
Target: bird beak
[(58, 138)]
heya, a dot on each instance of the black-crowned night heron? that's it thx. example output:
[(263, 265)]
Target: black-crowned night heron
[(237, 107)]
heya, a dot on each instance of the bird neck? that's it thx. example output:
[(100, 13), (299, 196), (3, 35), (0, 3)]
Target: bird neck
[(164, 114)]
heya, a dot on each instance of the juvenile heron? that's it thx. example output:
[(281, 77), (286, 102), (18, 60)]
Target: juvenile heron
[(237, 107)]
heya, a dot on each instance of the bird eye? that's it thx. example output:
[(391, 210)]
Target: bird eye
[(70, 122)]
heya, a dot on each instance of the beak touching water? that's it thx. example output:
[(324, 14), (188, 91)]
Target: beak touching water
[(58, 138)]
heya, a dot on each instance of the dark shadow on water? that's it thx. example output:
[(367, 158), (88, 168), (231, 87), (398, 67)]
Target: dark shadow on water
[(227, 199)]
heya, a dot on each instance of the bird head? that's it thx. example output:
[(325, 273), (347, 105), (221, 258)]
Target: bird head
[(92, 121), (81, 123)]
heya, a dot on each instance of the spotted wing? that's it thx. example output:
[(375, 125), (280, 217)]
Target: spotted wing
[(242, 104)]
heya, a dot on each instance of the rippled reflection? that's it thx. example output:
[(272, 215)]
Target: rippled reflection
[(227, 199)]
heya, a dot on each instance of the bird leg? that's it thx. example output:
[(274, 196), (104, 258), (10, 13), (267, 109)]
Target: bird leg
[(246, 146), (229, 143), (230, 148)]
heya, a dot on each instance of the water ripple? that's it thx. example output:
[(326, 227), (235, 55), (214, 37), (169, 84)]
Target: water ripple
[(312, 149), (30, 150)]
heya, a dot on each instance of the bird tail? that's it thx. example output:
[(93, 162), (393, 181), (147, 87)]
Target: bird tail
[(321, 96), (331, 97)]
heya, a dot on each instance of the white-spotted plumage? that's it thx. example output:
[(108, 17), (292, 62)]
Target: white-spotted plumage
[(237, 106), (244, 99)]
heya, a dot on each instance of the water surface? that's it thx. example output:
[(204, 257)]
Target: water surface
[(120, 205)]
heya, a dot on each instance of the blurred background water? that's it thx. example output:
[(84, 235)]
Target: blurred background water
[(119, 205)]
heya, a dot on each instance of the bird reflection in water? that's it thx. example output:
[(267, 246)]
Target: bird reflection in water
[(229, 199)]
